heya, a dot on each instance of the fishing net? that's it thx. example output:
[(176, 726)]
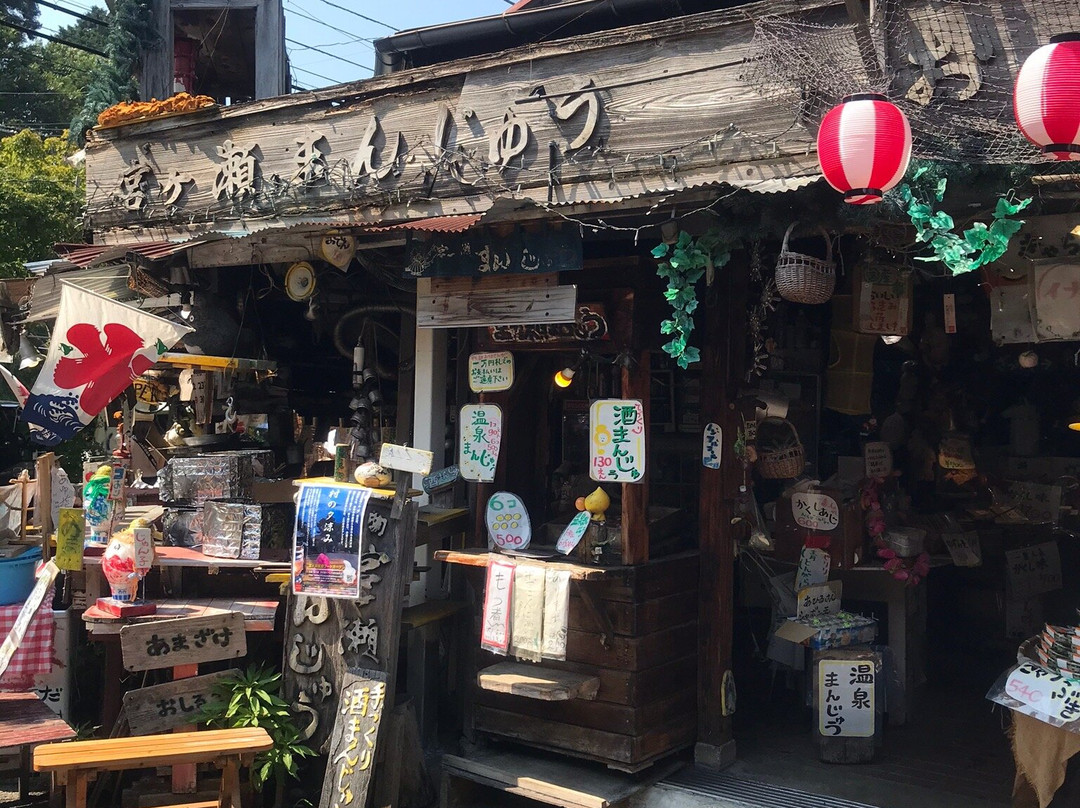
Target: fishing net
[(949, 64)]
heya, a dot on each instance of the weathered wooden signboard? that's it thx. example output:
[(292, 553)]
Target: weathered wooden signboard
[(405, 458), (160, 708), (555, 304), (186, 641), (485, 253), (353, 743), (327, 637)]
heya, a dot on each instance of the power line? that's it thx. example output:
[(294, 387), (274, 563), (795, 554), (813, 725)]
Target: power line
[(293, 10), (316, 75), (361, 16), (327, 53), (83, 17), (31, 32)]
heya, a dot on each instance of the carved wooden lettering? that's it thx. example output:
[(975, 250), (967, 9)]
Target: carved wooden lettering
[(189, 640)]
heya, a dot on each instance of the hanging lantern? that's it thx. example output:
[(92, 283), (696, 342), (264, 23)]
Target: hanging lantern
[(864, 146), (1046, 99)]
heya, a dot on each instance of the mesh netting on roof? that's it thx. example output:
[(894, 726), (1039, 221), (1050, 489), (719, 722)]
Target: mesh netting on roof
[(949, 64)]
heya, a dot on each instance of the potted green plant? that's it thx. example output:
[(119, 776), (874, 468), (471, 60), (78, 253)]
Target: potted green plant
[(249, 697)]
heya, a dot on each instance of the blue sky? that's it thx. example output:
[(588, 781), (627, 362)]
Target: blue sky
[(340, 34)]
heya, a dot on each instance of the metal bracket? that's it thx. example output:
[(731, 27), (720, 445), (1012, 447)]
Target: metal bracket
[(607, 631)]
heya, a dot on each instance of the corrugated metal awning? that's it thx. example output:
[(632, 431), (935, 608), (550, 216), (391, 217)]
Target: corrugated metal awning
[(88, 255), (436, 224), (110, 282)]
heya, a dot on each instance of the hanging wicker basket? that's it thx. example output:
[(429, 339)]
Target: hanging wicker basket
[(785, 463), (803, 278)]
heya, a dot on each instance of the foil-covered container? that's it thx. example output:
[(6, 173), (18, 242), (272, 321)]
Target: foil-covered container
[(194, 480), (182, 527), (247, 530)]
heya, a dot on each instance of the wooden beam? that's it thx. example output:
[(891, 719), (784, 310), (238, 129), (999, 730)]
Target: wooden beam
[(535, 682), (723, 360), (635, 496)]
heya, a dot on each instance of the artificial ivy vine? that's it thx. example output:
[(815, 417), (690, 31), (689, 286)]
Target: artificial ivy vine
[(960, 252), (682, 265)]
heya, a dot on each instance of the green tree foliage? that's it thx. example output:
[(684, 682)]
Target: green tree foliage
[(41, 197)]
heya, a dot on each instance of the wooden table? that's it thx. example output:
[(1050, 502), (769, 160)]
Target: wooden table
[(74, 764), (26, 722)]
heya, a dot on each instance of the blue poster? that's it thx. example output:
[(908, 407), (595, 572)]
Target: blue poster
[(327, 541)]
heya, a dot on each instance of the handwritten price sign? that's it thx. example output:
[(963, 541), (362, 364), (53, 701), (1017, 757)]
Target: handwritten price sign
[(508, 522), (1044, 691), (815, 511), (617, 441)]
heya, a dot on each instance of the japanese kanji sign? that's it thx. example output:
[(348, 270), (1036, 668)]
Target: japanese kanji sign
[(161, 708), (492, 371), (1030, 571), (97, 349), (186, 641), (495, 629), (710, 446), (883, 300), (1039, 503), (964, 548), (508, 522), (878, 459), (327, 540), (573, 533), (354, 740), (823, 599), (1044, 692), (485, 253), (479, 441), (815, 511), (616, 441), (846, 697)]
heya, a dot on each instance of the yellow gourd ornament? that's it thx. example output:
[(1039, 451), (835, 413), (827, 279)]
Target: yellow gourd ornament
[(597, 504)]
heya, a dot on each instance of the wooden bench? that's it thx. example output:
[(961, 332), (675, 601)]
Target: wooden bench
[(73, 765)]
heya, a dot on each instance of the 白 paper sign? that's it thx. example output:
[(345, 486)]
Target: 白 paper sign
[(818, 600), (616, 441), (846, 698), (479, 441), (878, 460), (495, 628), (815, 511), (1031, 571), (491, 372), (573, 533), (97, 349)]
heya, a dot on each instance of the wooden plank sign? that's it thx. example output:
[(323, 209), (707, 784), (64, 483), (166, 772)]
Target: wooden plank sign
[(354, 740), (480, 439), (442, 479), (485, 253), (187, 641), (508, 522), (616, 441), (160, 708), (405, 458), (493, 371), (485, 307)]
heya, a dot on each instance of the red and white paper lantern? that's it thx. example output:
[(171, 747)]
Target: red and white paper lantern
[(1046, 99), (864, 147)]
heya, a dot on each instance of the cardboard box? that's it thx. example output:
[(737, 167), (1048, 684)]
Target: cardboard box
[(829, 631)]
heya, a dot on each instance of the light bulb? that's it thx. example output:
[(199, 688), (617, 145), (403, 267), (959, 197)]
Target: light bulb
[(185, 311), (564, 377), (29, 356)]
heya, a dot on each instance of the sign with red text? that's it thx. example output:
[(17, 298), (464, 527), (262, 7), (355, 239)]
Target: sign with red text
[(616, 441), (508, 522), (492, 372), (815, 511)]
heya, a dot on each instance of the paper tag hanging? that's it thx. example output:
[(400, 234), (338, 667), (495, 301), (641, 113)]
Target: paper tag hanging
[(498, 590), (573, 533), (950, 314), (480, 439), (815, 511), (491, 371), (710, 446), (508, 521), (877, 457)]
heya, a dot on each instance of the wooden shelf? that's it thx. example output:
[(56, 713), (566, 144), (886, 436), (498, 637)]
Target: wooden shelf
[(436, 524), (376, 493), (428, 612), (535, 682), (479, 557)]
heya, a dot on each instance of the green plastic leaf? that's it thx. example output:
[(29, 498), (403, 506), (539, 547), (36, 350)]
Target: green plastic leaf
[(660, 250)]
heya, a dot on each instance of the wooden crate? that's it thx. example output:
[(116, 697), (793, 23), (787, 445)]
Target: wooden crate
[(645, 656)]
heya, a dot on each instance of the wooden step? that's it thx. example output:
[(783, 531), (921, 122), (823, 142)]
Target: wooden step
[(535, 682)]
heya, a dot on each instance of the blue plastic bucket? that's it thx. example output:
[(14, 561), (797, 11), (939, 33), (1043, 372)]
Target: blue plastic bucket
[(17, 576)]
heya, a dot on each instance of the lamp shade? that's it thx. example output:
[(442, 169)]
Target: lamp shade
[(1046, 99), (864, 147)]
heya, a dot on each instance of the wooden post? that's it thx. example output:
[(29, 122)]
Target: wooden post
[(635, 496), (184, 776), (43, 501), (723, 359)]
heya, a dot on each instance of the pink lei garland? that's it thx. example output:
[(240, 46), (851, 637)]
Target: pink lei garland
[(909, 570)]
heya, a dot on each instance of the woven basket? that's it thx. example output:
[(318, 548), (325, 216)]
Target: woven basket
[(785, 464), (804, 278)]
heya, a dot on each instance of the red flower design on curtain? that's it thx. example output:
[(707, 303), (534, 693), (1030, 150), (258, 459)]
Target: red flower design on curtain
[(106, 368)]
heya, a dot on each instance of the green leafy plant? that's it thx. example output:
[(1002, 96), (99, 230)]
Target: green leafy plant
[(250, 698), (682, 265), (963, 252)]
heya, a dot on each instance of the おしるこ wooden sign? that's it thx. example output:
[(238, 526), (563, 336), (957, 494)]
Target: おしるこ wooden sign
[(187, 641), (616, 441), (161, 708)]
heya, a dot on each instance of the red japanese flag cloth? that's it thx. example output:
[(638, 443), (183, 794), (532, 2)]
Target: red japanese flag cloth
[(98, 348)]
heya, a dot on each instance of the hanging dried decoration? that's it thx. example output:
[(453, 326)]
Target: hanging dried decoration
[(757, 319), (864, 146), (1046, 99)]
